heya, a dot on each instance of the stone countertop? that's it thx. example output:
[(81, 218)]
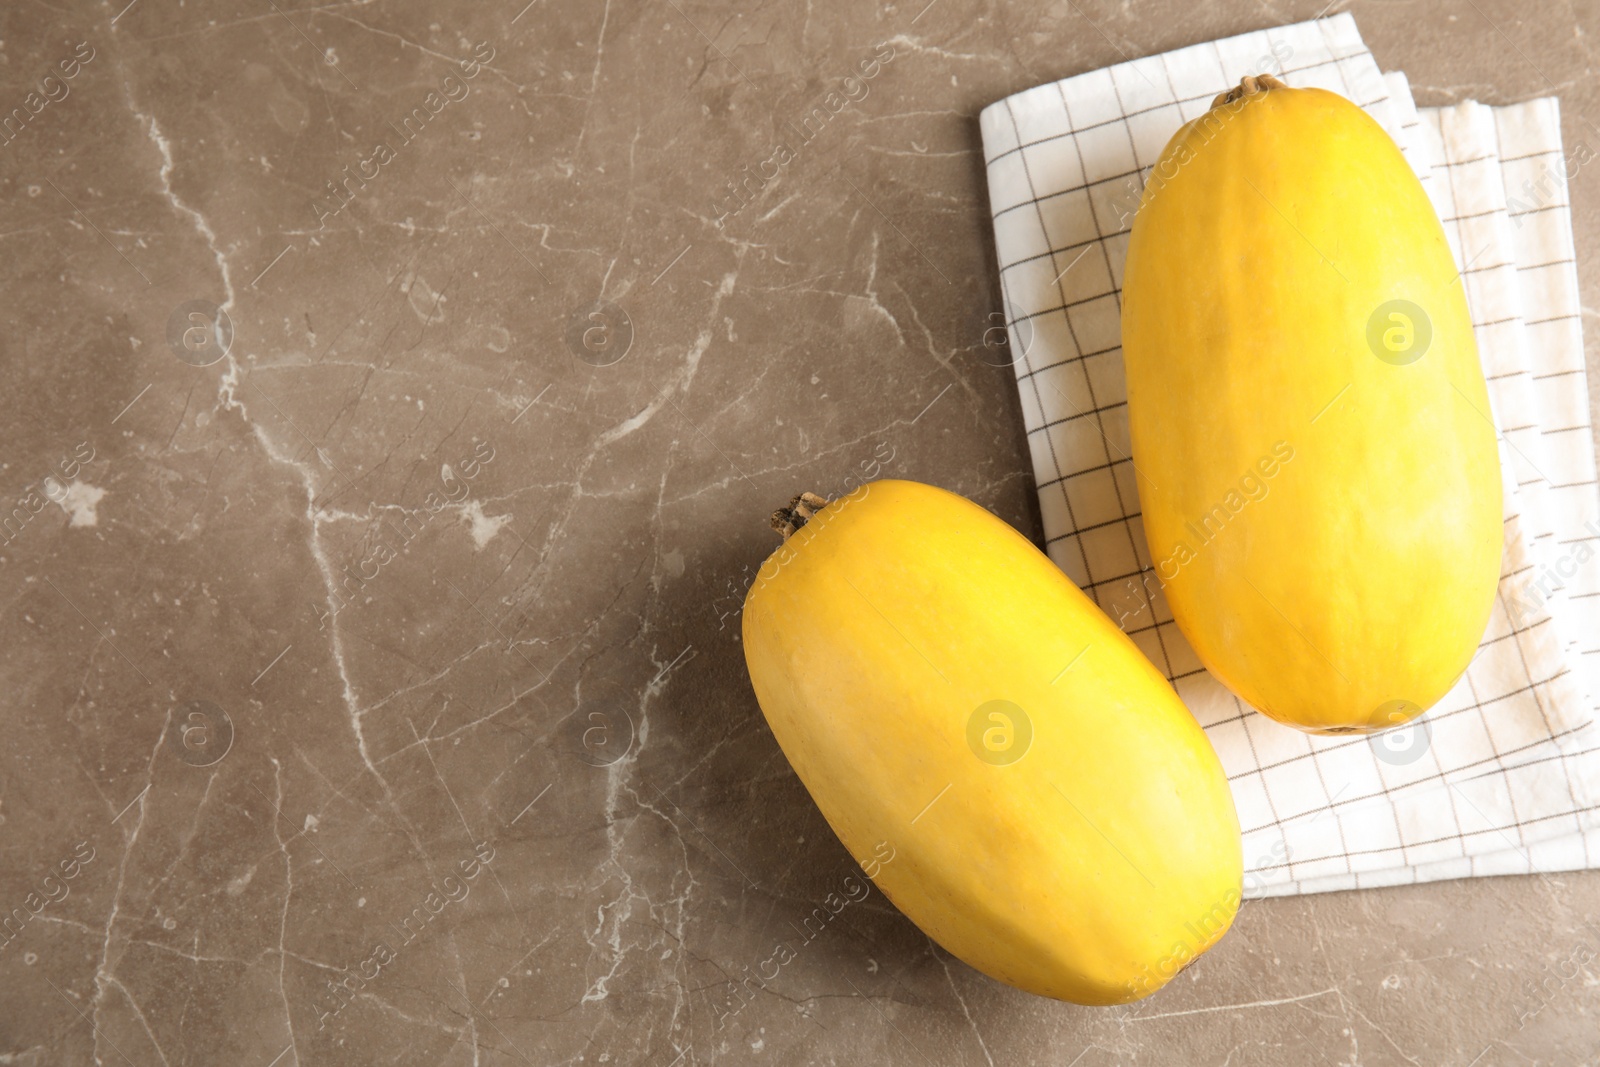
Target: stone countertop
[(386, 632)]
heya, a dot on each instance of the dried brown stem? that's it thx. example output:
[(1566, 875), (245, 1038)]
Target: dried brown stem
[(799, 512), (1250, 83)]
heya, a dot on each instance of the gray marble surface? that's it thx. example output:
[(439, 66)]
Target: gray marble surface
[(396, 646)]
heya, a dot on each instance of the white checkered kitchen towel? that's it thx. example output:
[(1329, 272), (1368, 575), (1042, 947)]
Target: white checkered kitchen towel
[(1505, 775)]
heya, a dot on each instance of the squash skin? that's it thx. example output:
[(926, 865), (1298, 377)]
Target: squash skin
[(1092, 868), (1353, 593)]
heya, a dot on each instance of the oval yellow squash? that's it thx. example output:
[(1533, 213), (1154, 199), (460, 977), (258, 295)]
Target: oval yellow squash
[(1310, 424), (1012, 772)]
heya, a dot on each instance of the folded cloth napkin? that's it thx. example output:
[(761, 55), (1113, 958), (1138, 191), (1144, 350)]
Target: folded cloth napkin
[(1503, 775)]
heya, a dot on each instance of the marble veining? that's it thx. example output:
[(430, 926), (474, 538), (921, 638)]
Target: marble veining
[(396, 394)]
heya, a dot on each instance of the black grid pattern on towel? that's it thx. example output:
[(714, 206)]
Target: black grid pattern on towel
[(1062, 172)]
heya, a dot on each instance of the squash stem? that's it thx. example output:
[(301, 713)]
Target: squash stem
[(1250, 83), (799, 512)]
